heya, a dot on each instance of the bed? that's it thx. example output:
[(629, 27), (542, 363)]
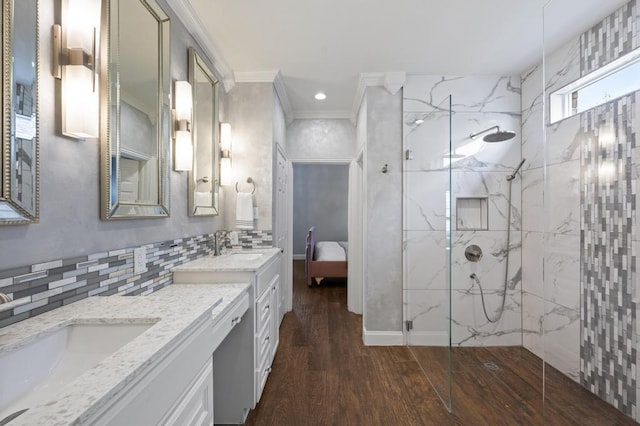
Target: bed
[(324, 259)]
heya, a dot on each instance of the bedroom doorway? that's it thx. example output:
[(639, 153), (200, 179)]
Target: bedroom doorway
[(322, 198)]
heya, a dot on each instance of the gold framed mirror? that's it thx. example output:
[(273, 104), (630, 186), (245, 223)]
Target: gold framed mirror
[(19, 190), (135, 110), (204, 178)]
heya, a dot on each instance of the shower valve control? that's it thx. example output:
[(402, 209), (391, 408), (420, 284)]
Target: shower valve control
[(408, 154)]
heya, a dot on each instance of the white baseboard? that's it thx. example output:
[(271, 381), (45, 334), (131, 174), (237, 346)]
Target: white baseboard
[(383, 338), (299, 257)]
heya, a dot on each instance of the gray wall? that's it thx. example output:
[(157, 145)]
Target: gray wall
[(383, 226), (69, 182), (320, 199), (249, 110), (321, 138)]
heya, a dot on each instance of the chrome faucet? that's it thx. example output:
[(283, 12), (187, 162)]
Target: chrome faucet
[(5, 298), (216, 241)]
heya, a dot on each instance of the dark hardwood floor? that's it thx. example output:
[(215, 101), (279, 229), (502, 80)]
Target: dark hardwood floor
[(324, 375)]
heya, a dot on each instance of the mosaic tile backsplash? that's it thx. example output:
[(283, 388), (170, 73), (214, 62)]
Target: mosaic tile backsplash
[(39, 288)]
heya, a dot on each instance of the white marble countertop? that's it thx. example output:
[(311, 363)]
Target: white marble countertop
[(235, 260), (176, 308)]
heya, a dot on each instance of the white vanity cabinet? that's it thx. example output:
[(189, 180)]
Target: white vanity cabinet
[(242, 364), (179, 388)]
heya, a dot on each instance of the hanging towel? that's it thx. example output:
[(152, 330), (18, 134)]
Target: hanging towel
[(244, 210)]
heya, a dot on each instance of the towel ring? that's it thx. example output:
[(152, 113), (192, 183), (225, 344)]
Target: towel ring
[(249, 180)]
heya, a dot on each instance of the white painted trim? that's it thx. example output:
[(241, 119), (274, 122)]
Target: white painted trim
[(382, 338), (264, 76), (194, 25), (337, 161), (281, 91), (299, 257), (329, 114)]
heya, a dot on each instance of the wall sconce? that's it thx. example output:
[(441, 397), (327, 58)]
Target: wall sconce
[(183, 149), (74, 63), (225, 154)]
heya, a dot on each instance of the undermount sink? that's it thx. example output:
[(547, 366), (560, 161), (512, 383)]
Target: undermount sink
[(246, 256), (33, 373)]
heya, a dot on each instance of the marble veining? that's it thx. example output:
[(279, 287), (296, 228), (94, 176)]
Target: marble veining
[(176, 308)]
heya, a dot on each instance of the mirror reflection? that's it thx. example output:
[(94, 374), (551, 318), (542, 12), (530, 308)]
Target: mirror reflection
[(203, 179), (136, 132), (19, 178)]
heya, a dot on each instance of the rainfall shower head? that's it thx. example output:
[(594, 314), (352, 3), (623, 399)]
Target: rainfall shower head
[(497, 136)]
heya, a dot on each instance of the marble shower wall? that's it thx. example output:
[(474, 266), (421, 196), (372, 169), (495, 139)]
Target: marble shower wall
[(480, 170), (581, 314)]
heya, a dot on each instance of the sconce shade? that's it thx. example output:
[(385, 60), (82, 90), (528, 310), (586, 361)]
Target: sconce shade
[(183, 156), (184, 101), (226, 177), (75, 65), (225, 136)]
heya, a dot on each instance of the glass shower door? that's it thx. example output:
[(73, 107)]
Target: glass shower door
[(427, 240)]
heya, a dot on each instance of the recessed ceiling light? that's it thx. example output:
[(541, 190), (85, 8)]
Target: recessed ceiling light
[(320, 96)]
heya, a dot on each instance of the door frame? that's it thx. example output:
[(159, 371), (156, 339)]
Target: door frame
[(354, 290)]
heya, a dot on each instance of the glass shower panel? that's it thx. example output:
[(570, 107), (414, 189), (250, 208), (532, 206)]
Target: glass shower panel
[(427, 236)]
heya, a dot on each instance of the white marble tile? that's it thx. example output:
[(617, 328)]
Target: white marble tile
[(470, 327), (491, 268), (562, 66), (562, 270), (562, 339), (429, 311), (532, 318), (533, 138), (562, 195), (532, 262), (532, 200), (495, 187), (430, 142), (426, 260), (532, 87), (469, 94), (564, 140), (425, 200)]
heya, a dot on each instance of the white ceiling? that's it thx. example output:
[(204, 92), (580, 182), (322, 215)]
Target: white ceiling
[(325, 45)]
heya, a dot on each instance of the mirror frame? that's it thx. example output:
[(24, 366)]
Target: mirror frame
[(196, 62), (109, 209), (7, 152)]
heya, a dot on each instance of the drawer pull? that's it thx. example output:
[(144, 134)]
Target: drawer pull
[(235, 321), (266, 340), (266, 371), (266, 308)]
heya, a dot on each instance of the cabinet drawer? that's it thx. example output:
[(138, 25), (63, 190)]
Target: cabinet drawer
[(263, 345), (263, 310), (262, 374), (196, 405), (223, 327), (265, 276)]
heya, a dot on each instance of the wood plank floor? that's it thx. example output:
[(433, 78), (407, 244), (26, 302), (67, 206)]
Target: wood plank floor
[(324, 375)]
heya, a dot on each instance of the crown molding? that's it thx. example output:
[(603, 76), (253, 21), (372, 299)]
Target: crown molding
[(322, 114), (192, 23), (391, 81), (264, 76), (281, 91)]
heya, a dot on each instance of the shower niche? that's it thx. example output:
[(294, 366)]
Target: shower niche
[(472, 213)]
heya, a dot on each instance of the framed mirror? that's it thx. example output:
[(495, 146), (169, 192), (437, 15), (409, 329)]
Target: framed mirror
[(135, 110), (204, 178), (19, 190)]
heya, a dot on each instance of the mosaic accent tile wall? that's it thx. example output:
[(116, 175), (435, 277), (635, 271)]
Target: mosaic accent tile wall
[(608, 200), (45, 286), (613, 37)]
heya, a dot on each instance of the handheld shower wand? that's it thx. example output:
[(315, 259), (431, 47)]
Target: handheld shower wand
[(513, 175)]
